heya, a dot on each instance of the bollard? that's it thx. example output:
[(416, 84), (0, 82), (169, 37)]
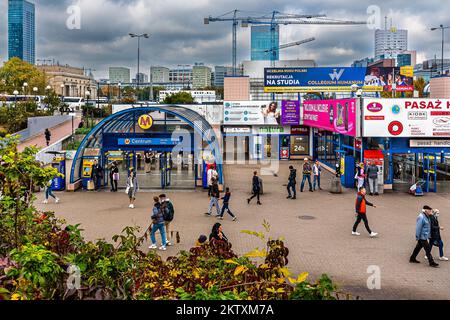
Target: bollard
[(336, 186)]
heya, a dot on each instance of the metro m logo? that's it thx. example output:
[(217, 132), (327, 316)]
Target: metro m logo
[(145, 122), (336, 75)]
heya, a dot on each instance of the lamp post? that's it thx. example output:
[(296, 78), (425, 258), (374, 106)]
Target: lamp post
[(86, 97), (25, 88), (139, 36), (15, 93), (442, 52), (120, 96), (47, 91), (35, 90)]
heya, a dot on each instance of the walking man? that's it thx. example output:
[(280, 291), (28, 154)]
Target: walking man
[(48, 135), (361, 213), (226, 205), (168, 215), (423, 233), (372, 175), (306, 175), (114, 176), (317, 171), (256, 188), (158, 224), (291, 183), (215, 195), (211, 173)]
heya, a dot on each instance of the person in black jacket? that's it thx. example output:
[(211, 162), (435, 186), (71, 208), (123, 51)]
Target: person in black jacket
[(256, 188), (48, 135), (114, 176), (215, 196), (217, 233), (436, 239), (291, 183)]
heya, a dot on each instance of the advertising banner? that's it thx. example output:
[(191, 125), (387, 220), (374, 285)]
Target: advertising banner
[(406, 118), (251, 113), (337, 79), (290, 112), (331, 115)]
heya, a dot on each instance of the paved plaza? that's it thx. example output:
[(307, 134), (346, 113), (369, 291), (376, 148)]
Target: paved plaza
[(320, 245)]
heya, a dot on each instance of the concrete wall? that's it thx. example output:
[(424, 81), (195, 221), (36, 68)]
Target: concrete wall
[(440, 88), (38, 125)]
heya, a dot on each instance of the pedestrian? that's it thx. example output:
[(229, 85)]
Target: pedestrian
[(48, 136), (306, 175), (436, 239), (360, 176), (201, 241), (361, 213), (372, 175), (168, 216), (256, 188), (211, 173), (49, 192), (158, 224), (292, 183), (317, 171), (226, 205), (147, 161), (214, 200), (217, 233), (132, 187), (97, 175), (114, 176), (423, 234)]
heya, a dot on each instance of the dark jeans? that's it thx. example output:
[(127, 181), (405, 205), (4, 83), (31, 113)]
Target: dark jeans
[(363, 217), (427, 247), (225, 206), (98, 182), (306, 177), (255, 194), (113, 184), (291, 186), (438, 243)]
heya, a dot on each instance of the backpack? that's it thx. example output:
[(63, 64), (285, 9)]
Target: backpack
[(169, 212)]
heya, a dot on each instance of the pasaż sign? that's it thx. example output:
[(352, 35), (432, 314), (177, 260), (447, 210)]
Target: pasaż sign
[(331, 115), (406, 118), (445, 143), (145, 122)]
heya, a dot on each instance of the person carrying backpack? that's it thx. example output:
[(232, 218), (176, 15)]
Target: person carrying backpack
[(168, 215), (158, 224)]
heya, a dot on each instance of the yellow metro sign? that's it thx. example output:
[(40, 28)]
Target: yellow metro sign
[(145, 122)]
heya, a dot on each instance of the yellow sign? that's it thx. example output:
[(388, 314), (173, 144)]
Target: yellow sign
[(145, 122), (407, 71)]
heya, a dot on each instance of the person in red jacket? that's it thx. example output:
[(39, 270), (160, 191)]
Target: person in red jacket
[(361, 207)]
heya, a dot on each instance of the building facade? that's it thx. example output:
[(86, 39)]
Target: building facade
[(69, 81), (141, 78), (261, 40), (159, 74), (119, 75), (200, 96), (389, 43), (183, 76), (220, 72), (201, 76), (21, 30)]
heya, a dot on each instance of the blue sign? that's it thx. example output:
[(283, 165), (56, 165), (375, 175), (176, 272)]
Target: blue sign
[(335, 79), (148, 141)]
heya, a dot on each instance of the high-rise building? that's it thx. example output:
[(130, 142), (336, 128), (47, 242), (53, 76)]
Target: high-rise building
[(183, 76), (201, 76), (220, 72), (21, 30), (159, 74), (390, 43), (142, 77), (261, 40), (119, 75)]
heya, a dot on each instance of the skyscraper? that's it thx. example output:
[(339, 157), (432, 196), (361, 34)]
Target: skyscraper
[(21, 30), (389, 43), (262, 41), (119, 75)]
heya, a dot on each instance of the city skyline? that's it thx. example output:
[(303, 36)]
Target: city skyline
[(103, 41)]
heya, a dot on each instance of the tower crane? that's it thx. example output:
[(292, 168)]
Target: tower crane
[(274, 19)]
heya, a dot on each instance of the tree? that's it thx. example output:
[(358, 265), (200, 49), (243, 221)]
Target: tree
[(52, 102), (179, 98), (419, 85), (16, 72)]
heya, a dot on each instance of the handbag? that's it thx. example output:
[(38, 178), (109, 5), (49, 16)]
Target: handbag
[(116, 176)]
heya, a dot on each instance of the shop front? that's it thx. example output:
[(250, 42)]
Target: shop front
[(413, 135), (166, 146)]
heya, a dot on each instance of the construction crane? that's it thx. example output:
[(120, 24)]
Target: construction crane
[(274, 19), (288, 45)]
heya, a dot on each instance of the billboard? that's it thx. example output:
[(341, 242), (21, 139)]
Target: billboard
[(336, 79), (331, 115), (406, 118), (290, 112), (251, 113)]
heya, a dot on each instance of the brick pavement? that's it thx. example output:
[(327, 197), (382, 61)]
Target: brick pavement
[(321, 245)]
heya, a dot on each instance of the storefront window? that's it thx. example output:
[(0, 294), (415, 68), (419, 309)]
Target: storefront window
[(299, 145)]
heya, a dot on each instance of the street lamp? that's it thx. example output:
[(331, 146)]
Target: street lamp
[(47, 91), (86, 97), (442, 52), (15, 93), (120, 97), (109, 94), (25, 88), (139, 36)]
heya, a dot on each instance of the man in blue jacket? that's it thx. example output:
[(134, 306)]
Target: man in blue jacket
[(423, 233)]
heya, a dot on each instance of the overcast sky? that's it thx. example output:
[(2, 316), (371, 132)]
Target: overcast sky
[(178, 35)]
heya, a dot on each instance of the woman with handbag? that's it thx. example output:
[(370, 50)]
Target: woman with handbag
[(114, 176), (132, 187)]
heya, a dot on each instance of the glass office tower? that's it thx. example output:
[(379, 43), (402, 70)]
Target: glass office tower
[(21, 30), (262, 41)]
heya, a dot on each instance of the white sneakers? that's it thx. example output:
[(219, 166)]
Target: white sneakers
[(153, 246), (372, 235), (163, 248), (169, 243), (131, 206), (45, 201), (57, 200), (443, 258)]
